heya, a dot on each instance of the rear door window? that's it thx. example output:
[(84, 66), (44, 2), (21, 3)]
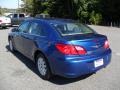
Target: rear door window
[(37, 29)]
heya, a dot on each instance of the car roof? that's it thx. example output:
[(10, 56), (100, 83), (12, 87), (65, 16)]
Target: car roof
[(53, 20)]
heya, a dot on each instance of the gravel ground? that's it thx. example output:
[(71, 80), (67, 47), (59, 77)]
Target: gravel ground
[(19, 73)]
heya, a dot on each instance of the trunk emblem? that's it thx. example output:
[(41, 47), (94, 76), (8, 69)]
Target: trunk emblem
[(97, 43), (96, 46)]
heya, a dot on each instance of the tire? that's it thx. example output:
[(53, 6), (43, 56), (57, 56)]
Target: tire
[(11, 47), (43, 67), (11, 25)]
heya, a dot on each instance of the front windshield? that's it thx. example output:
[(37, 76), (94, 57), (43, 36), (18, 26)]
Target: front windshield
[(72, 29)]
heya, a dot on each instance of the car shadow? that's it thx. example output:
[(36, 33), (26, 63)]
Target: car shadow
[(62, 80), (3, 28), (56, 79)]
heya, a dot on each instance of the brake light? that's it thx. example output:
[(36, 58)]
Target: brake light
[(106, 44), (70, 49)]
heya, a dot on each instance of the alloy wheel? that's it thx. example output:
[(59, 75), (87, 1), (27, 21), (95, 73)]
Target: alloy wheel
[(42, 66)]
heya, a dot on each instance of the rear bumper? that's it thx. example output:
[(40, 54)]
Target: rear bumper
[(74, 67), (5, 24)]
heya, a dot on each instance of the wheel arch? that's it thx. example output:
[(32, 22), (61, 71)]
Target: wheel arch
[(36, 53), (40, 52), (9, 37)]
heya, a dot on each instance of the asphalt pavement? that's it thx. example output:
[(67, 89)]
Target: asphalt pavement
[(19, 73)]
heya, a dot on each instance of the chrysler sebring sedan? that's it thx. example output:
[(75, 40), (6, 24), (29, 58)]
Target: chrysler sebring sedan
[(61, 47)]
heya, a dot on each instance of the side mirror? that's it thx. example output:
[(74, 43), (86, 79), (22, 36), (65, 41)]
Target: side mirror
[(15, 30)]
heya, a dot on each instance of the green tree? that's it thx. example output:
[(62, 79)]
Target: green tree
[(87, 11), (110, 11), (27, 6), (75, 9), (95, 18), (0, 11), (34, 6)]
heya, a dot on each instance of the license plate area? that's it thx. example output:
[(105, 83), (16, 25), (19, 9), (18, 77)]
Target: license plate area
[(98, 63)]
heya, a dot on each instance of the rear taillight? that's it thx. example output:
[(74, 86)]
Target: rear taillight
[(70, 49), (80, 50), (106, 44), (0, 20)]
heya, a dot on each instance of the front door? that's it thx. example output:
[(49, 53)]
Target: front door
[(18, 37)]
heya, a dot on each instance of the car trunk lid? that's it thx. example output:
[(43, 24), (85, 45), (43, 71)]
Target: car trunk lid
[(92, 43)]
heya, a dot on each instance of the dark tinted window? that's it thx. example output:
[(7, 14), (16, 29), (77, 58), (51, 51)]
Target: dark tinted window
[(37, 29), (15, 15), (21, 15), (24, 27)]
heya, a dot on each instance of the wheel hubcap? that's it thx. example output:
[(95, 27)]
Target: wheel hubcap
[(42, 66)]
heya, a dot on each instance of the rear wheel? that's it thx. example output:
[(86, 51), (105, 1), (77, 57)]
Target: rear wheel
[(43, 67)]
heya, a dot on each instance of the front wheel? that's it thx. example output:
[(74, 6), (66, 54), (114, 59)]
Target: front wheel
[(43, 67), (4, 27), (11, 46)]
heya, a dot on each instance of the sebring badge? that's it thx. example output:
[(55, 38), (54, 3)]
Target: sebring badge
[(96, 46)]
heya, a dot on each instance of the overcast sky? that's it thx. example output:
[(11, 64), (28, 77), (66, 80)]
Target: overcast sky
[(9, 3)]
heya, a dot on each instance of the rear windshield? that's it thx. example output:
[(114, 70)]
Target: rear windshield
[(72, 29)]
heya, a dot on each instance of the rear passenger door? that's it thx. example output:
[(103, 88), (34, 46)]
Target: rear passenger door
[(36, 34)]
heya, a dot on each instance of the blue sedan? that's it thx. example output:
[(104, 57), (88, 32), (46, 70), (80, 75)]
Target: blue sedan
[(61, 47)]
